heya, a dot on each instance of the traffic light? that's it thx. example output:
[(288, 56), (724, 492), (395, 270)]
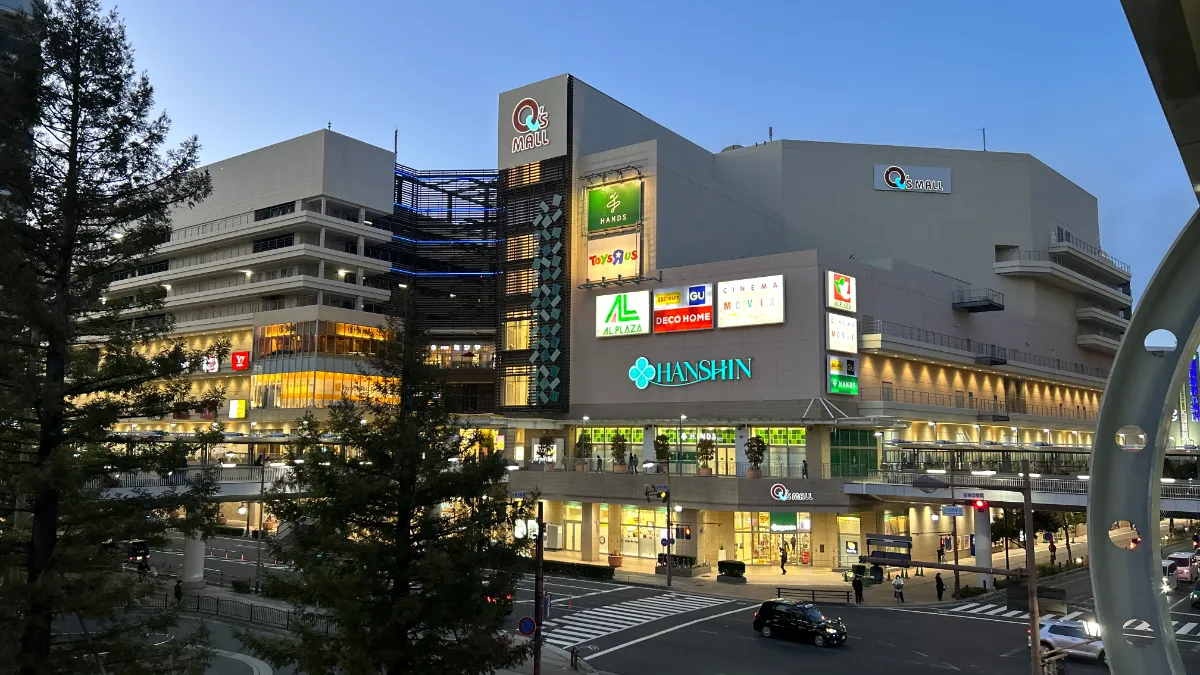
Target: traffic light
[(687, 532), (664, 495), (980, 505)]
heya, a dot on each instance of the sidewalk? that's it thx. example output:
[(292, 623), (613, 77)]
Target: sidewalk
[(554, 660), (762, 581)]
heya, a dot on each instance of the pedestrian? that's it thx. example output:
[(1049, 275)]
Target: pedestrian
[(941, 552), (546, 605), (1053, 549), (143, 568), (939, 585), (633, 467), (804, 469), (783, 558), (178, 591), (599, 464), (258, 461), (857, 585), (898, 589)]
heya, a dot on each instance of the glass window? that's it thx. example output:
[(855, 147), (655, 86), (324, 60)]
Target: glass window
[(572, 511), (516, 390), (516, 335)]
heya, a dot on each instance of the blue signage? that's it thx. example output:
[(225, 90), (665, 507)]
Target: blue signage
[(682, 373), (1194, 390), (526, 626), (696, 295)]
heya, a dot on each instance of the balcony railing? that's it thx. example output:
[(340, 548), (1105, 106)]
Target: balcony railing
[(1100, 332), (971, 295), (872, 326), (1010, 255), (1062, 236), (1017, 406)]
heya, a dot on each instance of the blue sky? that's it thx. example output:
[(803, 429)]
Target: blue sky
[(1061, 80)]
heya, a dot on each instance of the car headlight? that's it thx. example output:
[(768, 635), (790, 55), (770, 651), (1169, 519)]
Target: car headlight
[(831, 630)]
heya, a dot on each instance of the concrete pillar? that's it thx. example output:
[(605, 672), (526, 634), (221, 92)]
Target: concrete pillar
[(359, 276), (323, 209), (615, 530), (691, 518), (648, 434), (321, 241), (193, 563), (362, 216), (589, 532), (321, 264), (362, 247), (320, 297), (983, 543), (816, 442), (740, 435)]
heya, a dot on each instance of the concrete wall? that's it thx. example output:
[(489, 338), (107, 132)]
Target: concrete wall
[(319, 163)]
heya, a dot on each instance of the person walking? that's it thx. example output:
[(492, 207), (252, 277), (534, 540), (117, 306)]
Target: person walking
[(1053, 550), (178, 591), (599, 464), (941, 552), (633, 464), (898, 589), (783, 558), (804, 469), (857, 585), (143, 568), (546, 603), (939, 585)]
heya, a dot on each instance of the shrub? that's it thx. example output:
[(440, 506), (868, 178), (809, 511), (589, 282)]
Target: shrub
[(662, 448), (731, 568), (970, 592), (706, 450), (230, 530), (618, 447), (756, 451), (241, 586), (580, 570)]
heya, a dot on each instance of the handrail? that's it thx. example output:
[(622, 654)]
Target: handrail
[(973, 294), (1057, 485), (1015, 255), (1061, 236), (871, 326)]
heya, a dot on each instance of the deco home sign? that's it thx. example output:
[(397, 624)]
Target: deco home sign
[(682, 373)]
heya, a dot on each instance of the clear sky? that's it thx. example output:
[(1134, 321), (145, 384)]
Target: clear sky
[(1061, 80)]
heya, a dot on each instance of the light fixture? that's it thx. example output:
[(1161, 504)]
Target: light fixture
[(227, 465), (1045, 431), (935, 517), (1081, 477), (134, 426), (975, 425), (172, 425), (342, 273), (878, 434), (402, 285), (1012, 428), (938, 472), (167, 286), (253, 424), (248, 273), (933, 424), (367, 222), (298, 461), (983, 473), (1167, 480), (586, 418), (678, 508), (276, 464), (453, 295), (241, 510)]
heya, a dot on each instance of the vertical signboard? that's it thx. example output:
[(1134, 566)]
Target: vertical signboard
[(750, 302), (841, 333), (623, 314), (843, 375), (532, 123), (683, 309), (840, 292), (614, 205)]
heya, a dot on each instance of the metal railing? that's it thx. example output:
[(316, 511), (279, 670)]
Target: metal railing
[(956, 401), (1084, 331), (813, 595), (1076, 486), (244, 611), (1011, 255), (977, 295), (872, 326), (1061, 236), (182, 477), (1122, 314)]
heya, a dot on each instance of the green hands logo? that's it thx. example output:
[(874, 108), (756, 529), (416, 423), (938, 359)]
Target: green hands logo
[(613, 203)]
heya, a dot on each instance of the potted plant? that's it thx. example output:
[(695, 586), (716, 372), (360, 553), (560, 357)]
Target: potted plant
[(706, 451), (583, 451), (720, 554), (615, 559), (756, 451), (617, 449), (545, 449), (662, 451)]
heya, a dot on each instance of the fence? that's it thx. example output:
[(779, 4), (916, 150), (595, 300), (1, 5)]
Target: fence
[(813, 594), (242, 611)]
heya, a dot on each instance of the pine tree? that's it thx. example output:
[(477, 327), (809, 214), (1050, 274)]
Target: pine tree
[(85, 195), (402, 535)]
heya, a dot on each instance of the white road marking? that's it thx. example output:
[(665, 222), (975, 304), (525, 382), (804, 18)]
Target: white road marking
[(560, 599), (1072, 615), (1013, 613), (671, 630), (596, 622), (1187, 628), (980, 609), (259, 667), (964, 607), (998, 610)]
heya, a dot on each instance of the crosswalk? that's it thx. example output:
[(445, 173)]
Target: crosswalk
[(1188, 628), (589, 624)]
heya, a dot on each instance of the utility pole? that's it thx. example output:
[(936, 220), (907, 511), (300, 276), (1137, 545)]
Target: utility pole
[(669, 538), (954, 529), (1035, 647), (538, 595), (262, 481)]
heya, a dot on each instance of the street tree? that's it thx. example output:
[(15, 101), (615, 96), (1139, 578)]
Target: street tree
[(401, 533), (86, 193)]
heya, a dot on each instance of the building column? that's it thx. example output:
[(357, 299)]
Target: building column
[(816, 451), (193, 563), (359, 276), (983, 544), (320, 297), (648, 434), (589, 532), (616, 533), (362, 246), (321, 241), (741, 434), (362, 217), (321, 264)]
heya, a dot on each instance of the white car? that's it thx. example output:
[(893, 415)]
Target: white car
[(1185, 566), (1076, 638)]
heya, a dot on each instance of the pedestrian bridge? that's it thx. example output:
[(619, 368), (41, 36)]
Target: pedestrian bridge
[(1069, 494), (237, 483)]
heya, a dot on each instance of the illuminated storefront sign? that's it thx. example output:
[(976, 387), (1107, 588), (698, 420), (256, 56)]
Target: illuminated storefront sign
[(841, 333), (623, 314), (912, 178), (529, 120), (610, 257), (681, 309), (843, 375), (780, 493), (683, 373), (615, 205), (750, 302), (840, 292), (237, 409), (209, 364), (239, 360)]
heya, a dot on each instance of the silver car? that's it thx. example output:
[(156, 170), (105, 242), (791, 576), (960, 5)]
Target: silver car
[(1076, 638)]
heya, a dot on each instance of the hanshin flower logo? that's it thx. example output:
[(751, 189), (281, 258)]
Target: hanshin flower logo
[(641, 372)]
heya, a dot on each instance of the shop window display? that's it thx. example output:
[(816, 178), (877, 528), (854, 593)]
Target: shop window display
[(760, 536)]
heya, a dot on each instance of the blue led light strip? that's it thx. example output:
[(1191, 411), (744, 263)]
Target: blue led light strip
[(446, 242), (1194, 390), (444, 274)]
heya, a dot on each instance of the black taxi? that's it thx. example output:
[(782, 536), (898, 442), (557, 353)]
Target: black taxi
[(787, 619)]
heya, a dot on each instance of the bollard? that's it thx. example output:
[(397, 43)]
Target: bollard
[(243, 557), (227, 555), (569, 599)]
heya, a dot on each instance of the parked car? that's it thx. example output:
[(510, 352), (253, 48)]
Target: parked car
[(1185, 566), (1076, 638), (787, 619)]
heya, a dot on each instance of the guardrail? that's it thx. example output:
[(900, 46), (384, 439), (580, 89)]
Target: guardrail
[(242, 611), (814, 594), (1077, 486), (182, 477), (1061, 236)]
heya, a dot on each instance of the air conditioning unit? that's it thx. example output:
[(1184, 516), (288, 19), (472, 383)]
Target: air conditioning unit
[(553, 537)]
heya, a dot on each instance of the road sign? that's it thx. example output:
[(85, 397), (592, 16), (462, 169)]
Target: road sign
[(526, 626), (953, 511), (517, 495), (662, 488), (973, 495)]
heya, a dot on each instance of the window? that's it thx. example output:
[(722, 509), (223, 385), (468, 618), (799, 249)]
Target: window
[(516, 335), (272, 243), (341, 211), (274, 211), (516, 390)]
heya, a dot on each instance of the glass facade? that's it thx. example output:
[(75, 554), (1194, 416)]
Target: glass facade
[(641, 530), (311, 363), (760, 537)]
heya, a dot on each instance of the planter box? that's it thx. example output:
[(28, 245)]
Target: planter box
[(753, 473), (730, 580), (620, 468), (536, 466), (615, 560), (705, 471)]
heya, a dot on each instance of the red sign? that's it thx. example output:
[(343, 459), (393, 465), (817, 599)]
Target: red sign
[(240, 360), (683, 318)]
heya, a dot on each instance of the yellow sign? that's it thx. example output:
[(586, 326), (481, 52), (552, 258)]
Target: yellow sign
[(237, 409), (672, 298)]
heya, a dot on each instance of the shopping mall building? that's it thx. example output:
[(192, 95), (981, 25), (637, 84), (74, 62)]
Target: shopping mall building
[(860, 308)]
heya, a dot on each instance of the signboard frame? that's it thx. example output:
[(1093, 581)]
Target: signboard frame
[(848, 345), (685, 305), (609, 241), (843, 375), (832, 301)]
